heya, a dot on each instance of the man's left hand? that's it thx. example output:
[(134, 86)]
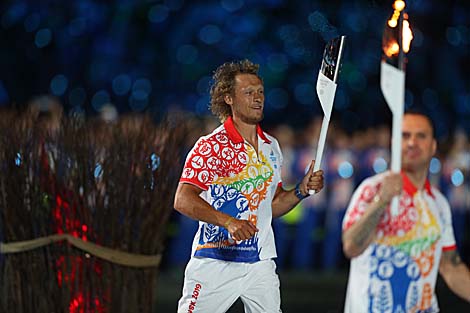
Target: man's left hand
[(312, 180)]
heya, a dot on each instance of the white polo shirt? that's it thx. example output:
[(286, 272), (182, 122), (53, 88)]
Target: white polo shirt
[(398, 271), (239, 182)]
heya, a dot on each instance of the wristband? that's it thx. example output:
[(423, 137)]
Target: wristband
[(299, 194)]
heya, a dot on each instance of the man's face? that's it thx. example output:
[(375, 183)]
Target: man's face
[(247, 102), (418, 144)]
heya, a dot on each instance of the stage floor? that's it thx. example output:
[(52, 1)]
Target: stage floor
[(301, 292)]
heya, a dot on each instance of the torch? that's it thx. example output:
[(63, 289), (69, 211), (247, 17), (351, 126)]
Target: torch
[(396, 42), (326, 89)]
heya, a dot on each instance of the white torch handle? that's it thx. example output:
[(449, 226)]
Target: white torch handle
[(320, 147), (396, 154)]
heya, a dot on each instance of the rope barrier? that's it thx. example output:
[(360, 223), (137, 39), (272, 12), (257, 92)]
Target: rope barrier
[(108, 254)]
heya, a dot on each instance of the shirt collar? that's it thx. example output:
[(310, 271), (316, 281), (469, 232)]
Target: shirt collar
[(235, 136), (411, 189)]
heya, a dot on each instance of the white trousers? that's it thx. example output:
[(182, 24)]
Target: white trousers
[(212, 286)]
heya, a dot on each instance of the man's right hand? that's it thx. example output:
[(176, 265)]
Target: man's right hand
[(240, 229), (359, 236), (189, 203), (392, 185)]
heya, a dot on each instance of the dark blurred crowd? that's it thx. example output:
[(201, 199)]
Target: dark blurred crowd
[(309, 237)]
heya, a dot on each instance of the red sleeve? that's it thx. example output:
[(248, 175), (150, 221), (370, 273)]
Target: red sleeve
[(361, 198), (200, 166), (449, 248)]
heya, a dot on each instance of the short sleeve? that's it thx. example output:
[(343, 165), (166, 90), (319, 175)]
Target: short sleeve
[(200, 165), (281, 162), (360, 200), (448, 239)]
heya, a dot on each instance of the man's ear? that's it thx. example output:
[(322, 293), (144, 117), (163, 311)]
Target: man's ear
[(228, 99)]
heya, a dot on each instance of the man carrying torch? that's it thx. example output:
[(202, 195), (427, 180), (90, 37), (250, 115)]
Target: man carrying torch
[(397, 252)]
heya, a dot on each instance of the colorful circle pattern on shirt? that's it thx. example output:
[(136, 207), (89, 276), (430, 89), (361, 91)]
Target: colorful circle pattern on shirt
[(403, 255), (237, 180)]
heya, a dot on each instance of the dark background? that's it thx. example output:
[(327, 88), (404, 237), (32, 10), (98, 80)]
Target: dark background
[(158, 57)]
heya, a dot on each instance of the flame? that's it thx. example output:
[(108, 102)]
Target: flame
[(407, 36), (399, 5), (392, 48), (392, 23)]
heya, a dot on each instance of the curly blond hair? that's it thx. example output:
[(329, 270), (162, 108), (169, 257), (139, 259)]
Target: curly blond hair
[(224, 83)]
